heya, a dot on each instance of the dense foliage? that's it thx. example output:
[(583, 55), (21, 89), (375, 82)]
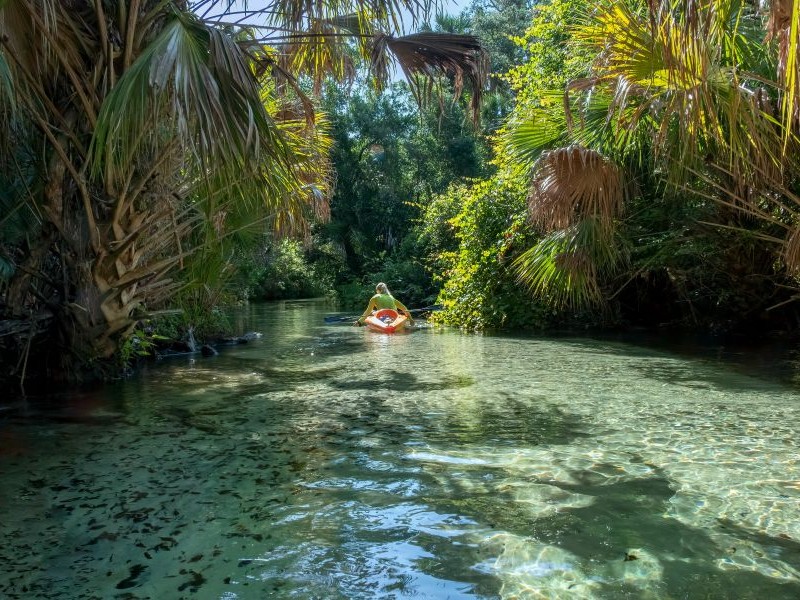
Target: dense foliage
[(391, 159), (283, 269), (394, 162), (148, 146), (669, 147), (487, 220), (479, 291), (634, 163), (655, 146)]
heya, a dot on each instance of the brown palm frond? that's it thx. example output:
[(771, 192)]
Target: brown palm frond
[(42, 40), (290, 111), (784, 27), (380, 63), (265, 62), (573, 183), (780, 19), (779, 27), (791, 251), (353, 22), (460, 57)]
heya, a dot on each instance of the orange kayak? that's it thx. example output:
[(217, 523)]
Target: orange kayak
[(386, 320)]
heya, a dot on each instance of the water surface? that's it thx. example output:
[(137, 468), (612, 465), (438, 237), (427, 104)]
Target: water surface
[(332, 462)]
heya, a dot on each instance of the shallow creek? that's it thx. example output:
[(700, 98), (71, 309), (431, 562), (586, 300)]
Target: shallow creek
[(331, 462)]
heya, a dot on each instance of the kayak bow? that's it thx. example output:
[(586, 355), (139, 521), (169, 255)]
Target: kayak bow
[(386, 320)]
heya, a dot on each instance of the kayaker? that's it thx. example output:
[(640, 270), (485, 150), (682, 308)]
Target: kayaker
[(383, 299)]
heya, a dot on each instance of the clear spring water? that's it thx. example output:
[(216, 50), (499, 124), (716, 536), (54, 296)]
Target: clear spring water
[(332, 462)]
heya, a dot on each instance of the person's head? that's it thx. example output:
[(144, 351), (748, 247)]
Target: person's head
[(381, 288)]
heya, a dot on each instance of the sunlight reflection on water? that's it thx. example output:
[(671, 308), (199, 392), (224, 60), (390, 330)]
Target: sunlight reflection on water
[(333, 462)]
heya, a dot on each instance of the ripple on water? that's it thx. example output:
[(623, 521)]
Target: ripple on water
[(445, 466)]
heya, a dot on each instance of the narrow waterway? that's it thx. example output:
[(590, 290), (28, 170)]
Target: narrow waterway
[(331, 462)]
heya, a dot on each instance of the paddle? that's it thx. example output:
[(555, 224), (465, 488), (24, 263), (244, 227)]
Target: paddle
[(354, 317)]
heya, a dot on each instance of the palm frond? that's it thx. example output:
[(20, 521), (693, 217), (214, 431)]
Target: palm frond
[(323, 50), (543, 128), (197, 80), (354, 23), (283, 200), (565, 267), (266, 63), (574, 183), (6, 84), (384, 15), (40, 40), (784, 26), (674, 68), (791, 251), (20, 182), (428, 55), (556, 277), (550, 124)]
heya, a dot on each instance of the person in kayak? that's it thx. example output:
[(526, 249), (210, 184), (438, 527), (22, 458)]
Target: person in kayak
[(383, 299)]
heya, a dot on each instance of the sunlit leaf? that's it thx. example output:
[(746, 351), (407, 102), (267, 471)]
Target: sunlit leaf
[(565, 267)]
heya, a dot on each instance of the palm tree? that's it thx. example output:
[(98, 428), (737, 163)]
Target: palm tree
[(160, 130), (688, 91), (576, 196)]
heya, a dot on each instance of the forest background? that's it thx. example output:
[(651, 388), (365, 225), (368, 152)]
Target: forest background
[(632, 164), (444, 211)]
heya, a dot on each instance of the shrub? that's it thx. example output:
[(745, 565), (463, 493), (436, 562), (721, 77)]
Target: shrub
[(285, 273), (480, 290)]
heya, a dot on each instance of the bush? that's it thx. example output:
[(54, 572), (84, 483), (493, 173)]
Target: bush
[(354, 295), (480, 291), (285, 273), (205, 323)]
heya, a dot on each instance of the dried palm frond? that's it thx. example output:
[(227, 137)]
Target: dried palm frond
[(285, 83), (573, 183), (40, 43), (7, 100), (323, 49), (791, 252), (423, 56), (784, 25)]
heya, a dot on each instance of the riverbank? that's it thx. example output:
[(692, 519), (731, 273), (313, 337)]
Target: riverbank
[(773, 353)]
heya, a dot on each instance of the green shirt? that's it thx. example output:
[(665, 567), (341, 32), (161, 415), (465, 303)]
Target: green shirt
[(384, 301)]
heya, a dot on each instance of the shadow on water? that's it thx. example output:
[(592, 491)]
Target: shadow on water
[(769, 359), (625, 528), (632, 513), (401, 381), (508, 423), (266, 465), (312, 347), (275, 379), (89, 407)]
